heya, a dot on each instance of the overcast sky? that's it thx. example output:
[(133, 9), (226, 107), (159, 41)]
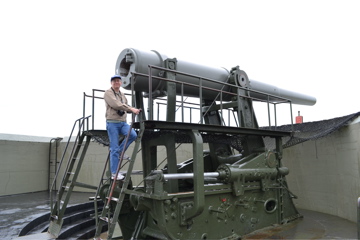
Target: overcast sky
[(53, 51)]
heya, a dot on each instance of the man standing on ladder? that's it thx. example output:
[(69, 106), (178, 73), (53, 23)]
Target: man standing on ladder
[(116, 111)]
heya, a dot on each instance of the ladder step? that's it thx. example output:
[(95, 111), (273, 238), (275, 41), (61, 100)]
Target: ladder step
[(84, 185), (105, 219), (70, 173), (113, 199), (65, 187), (93, 198)]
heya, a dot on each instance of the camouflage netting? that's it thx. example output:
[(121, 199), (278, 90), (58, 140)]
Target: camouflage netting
[(302, 132), (312, 130)]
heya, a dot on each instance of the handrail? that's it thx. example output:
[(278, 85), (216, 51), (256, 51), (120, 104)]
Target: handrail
[(79, 121), (273, 99), (58, 139), (268, 98), (93, 97)]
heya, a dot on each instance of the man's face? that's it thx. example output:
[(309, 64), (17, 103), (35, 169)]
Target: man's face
[(116, 83)]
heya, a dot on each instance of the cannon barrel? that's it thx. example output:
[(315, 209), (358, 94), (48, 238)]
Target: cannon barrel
[(135, 61)]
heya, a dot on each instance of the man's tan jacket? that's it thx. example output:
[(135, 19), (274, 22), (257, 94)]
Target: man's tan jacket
[(114, 102)]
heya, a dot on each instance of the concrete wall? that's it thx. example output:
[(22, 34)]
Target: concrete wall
[(23, 164), (324, 173)]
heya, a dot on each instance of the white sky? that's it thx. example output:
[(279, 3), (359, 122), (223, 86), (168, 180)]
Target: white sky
[(53, 51)]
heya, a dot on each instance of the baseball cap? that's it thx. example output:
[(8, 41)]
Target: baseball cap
[(115, 76)]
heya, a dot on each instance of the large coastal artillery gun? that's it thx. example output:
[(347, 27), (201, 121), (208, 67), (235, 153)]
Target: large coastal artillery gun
[(233, 184)]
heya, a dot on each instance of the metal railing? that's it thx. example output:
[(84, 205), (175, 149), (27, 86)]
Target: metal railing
[(81, 123), (53, 158), (271, 99), (183, 105)]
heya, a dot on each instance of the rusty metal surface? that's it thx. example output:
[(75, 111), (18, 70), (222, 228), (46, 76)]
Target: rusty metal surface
[(313, 225)]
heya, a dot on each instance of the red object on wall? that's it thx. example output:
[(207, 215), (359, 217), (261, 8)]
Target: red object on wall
[(299, 119)]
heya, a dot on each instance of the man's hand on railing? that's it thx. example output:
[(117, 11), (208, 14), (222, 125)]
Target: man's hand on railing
[(135, 110)]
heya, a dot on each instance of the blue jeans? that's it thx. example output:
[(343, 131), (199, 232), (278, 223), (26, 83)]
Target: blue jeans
[(114, 130)]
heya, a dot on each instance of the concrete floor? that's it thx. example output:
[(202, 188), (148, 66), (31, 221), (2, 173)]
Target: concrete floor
[(18, 210)]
